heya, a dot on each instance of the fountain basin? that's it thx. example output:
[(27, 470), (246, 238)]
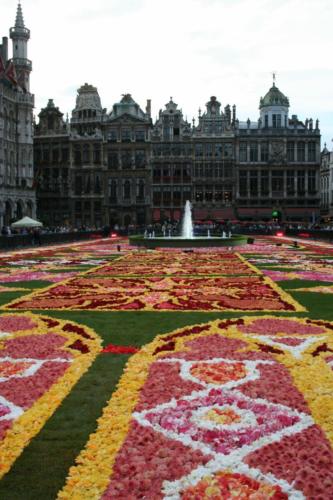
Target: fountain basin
[(180, 242)]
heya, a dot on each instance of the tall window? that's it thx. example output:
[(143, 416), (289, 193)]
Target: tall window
[(300, 151), (254, 183), (97, 154), (243, 183), (126, 135), (65, 155), (177, 196), (264, 151), (78, 185), (140, 135), (266, 121), (253, 151), (157, 196), (242, 151), (290, 151), (209, 150), (140, 158), (140, 193), (127, 190), (209, 170), (187, 173), (312, 184), (156, 174), (277, 182), (312, 151), (86, 153), (300, 182), (166, 196), (199, 150), (276, 119), (112, 135), (227, 170), (113, 159), (290, 182), (126, 158), (218, 150), (55, 156), (166, 133), (113, 191), (228, 150), (264, 183), (77, 156), (97, 184), (87, 184)]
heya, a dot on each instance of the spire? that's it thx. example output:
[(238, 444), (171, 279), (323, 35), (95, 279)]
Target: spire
[(19, 22)]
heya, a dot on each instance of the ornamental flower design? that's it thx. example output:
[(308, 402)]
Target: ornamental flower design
[(250, 293), (223, 485), (215, 416), (39, 364)]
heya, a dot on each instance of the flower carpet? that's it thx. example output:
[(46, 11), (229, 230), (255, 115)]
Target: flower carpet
[(132, 374), (111, 287), (234, 419), (40, 360)]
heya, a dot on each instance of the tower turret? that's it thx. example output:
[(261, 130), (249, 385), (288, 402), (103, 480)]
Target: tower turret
[(274, 109), (20, 36)]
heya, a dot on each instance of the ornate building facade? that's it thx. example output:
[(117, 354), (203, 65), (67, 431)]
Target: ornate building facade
[(326, 184), (278, 163), (17, 191), (94, 170), (120, 168)]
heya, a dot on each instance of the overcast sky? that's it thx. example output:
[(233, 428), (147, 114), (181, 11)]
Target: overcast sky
[(187, 49)]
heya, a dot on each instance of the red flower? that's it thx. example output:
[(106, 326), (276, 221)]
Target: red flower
[(120, 349)]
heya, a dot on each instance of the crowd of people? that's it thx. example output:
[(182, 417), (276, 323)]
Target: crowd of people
[(174, 228)]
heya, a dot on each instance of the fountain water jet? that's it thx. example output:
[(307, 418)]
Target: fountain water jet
[(186, 239), (187, 225)]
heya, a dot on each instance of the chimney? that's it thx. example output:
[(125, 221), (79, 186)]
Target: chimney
[(4, 49), (148, 108)]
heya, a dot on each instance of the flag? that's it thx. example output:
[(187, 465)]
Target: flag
[(11, 73), (2, 66)]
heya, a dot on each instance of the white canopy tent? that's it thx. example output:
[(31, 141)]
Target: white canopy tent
[(26, 222)]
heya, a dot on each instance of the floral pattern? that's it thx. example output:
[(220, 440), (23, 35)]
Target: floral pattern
[(39, 364), (298, 275), (233, 420), (161, 294)]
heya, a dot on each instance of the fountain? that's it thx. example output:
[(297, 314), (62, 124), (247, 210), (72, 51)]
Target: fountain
[(187, 238), (187, 226)]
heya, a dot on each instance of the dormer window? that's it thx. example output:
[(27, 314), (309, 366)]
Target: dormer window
[(266, 121)]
